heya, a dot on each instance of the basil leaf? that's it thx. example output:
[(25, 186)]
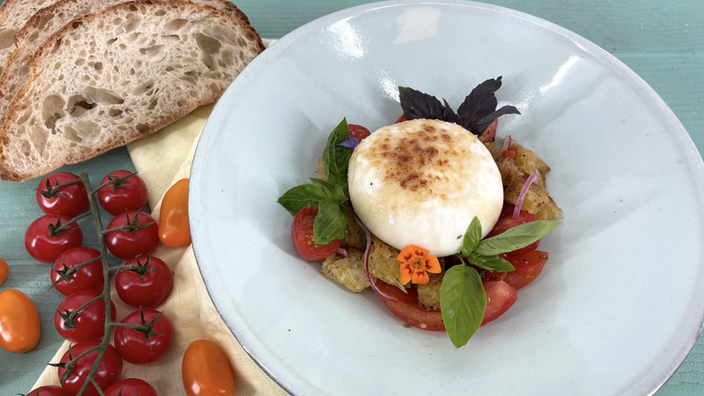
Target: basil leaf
[(479, 103), (416, 104), (449, 115), (338, 192), (322, 183), (472, 237), (491, 263), (301, 196), (483, 123), (462, 303), (336, 158), (330, 223), (515, 238)]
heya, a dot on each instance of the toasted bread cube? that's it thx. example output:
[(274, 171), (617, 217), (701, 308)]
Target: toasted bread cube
[(321, 170), (384, 263), (355, 235), (429, 294), (528, 163), (494, 149), (349, 271)]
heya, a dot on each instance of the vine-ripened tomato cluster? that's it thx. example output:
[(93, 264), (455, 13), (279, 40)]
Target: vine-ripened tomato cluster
[(82, 274)]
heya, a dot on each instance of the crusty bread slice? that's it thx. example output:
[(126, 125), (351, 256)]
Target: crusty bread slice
[(13, 15), (46, 22), (110, 77)]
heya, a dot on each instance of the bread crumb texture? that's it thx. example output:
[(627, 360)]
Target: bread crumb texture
[(113, 76)]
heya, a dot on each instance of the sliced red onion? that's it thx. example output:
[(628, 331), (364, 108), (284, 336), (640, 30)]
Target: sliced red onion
[(507, 143), (533, 178), (367, 252), (341, 252)]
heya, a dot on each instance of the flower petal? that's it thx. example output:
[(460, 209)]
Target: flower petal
[(432, 264), (420, 277), (410, 251), (406, 273)]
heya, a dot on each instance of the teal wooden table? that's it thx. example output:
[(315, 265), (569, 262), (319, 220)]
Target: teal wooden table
[(662, 41)]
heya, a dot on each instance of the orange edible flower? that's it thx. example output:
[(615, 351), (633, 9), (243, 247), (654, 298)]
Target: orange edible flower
[(416, 265)]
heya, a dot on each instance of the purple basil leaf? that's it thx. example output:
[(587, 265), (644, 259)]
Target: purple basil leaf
[(416, 104)]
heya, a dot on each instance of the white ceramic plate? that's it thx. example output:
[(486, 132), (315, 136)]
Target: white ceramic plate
[(619, 304)]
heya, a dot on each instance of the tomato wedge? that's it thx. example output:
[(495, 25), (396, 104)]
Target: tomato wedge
[(302, 235), (528, 266), (500, 296), (408, 310)]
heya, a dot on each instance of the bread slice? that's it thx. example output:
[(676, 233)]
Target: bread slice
[(46, 22), (13, 15), (110, 77)]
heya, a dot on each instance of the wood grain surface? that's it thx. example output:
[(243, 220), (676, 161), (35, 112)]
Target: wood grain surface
[(662, 41)]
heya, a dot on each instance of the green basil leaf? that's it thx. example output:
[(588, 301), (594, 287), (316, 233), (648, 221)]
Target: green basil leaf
[(462, 303), (330, 223), (472, 237), (336, 158), (301, 196), (515, 238), (491, 263), (322, 183), (339, 194)]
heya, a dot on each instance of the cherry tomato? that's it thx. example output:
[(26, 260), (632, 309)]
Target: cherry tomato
[(409, 310), (528, 266), (4, 270), (490, 132), (507, 221), (146, 286), (206, 371), (49, 391), (173, 217), (130, 387), (45, 247), (127, 192), (402, 119), (88, 277), (134, 346), (89, 324), (109, 368), (127, 244), (19, 322), (358, 132), (70, 201), (500, 296), (302, 234)]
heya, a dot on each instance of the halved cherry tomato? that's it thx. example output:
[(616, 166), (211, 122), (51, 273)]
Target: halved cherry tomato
[(507, 221), (127, 244), (490, 132), (109, 368), (129, 192), (70, 201), (4, 270), (45, 247), (19, 322), (206, 371), (528, 266), (500, 296), (88, 277), (358, 132), (49, 391), (89, 324), (302, 235), (130, 387), (408, 310), (173, 218)]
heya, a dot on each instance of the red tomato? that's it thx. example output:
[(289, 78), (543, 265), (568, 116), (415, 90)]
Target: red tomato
[(507, 221), (130, 387), (500, 296), (528, 266), (173, 216), (146, 286), (512, 152), (135, 347), (408, 309), (126, 244), (127, 192), (302, 234), (45, 247), (88, 277), (89, 324), (402, 118), (490, 132), (49, 391), (109, 368), (206, 371), (358, 132), (70, 201)]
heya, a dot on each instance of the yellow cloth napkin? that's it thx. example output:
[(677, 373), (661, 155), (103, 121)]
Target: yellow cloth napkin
[(162, 159)]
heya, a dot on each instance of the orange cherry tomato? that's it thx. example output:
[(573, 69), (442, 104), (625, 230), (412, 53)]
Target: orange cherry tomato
[(19, 322), (4, 270), (173, 218), (206, 370)]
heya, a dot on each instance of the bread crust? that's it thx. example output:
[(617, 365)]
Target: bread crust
[(7, 134)]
